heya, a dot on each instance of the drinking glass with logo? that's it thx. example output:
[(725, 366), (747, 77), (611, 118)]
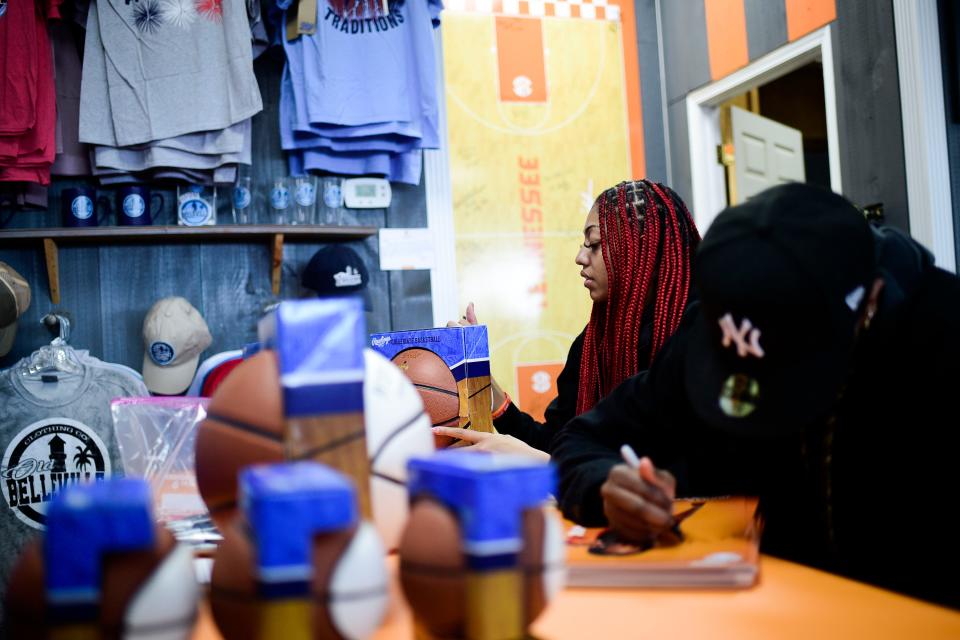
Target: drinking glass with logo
[(332, 200), (196, 205), (304, 199), (243, 200), (280, 200)]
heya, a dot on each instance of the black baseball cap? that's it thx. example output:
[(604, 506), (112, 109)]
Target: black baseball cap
[(781, 280), (335, 270)]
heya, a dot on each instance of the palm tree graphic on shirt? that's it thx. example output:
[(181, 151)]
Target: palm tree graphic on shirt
[(83, 457)]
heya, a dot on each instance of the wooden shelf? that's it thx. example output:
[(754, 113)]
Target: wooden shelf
[(276, 234), (194, 234)]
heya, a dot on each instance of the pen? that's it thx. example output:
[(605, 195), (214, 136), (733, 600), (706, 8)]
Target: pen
[(630, 456)]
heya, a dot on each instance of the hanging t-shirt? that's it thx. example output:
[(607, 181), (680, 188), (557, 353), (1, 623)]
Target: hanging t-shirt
[(350, 65), (128, 159), (226, 174), (52, 434), (18, 68), (419, 128), (397, 167), (27, 94), (359, 96), (73, 158), (155, 70), (296, 134), (36, 147)]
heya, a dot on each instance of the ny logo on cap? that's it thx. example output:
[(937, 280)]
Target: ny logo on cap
[(747, 337)]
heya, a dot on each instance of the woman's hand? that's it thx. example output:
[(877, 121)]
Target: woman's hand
[(492, 442), (639, 503), (468, 318)]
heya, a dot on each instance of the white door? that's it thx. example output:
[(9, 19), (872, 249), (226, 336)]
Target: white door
[(766, 153)]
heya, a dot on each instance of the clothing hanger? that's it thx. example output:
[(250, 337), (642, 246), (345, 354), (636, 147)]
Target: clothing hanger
[(58, 356)]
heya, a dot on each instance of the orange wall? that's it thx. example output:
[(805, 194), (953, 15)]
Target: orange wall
[(726, 36), (632, 70), (804, 16)]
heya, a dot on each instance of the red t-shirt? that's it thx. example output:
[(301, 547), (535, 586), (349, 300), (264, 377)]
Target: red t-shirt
[(27, 155), (18, 67)]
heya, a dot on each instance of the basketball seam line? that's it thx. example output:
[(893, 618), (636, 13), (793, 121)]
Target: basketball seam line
[(394, 434), (339, 442), (244, 426), (323, 596), (428, 387), (481, 390), (383, 476)]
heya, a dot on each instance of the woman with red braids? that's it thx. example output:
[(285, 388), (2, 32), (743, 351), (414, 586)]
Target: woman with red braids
[(639, 241)]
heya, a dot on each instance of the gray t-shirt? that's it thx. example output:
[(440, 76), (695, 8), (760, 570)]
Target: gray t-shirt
[(229, 140), (72, 157), (126, 159), (157, 69), (52, 434), (226, 174)]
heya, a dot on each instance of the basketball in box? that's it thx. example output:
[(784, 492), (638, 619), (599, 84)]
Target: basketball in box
[(450, 367)]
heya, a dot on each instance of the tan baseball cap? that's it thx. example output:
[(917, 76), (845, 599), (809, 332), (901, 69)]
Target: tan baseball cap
[(174, 336), (14, 300)]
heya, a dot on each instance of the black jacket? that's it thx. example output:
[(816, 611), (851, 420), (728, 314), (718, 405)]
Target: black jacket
[(877, 509), (563, 408)]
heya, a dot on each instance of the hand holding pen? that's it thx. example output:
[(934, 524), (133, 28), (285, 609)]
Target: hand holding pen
[(638, 499)]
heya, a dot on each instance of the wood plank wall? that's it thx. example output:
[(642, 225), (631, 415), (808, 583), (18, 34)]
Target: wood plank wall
[(106, 290)]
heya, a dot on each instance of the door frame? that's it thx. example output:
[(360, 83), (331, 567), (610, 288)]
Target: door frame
[(922, 107), (703, 117)]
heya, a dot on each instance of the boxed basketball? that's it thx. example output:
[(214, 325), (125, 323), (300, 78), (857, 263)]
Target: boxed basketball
[(450, 367)]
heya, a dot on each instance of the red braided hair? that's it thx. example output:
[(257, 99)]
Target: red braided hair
[(648, 239)]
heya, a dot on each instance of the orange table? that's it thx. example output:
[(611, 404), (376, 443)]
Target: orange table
[(791, 601)]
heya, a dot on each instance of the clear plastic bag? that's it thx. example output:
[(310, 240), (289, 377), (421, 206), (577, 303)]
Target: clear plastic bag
[(156, 437)]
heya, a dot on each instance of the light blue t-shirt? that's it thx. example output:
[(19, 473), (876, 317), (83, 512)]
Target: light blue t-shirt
[(360, 96), (296, 133), (350, 65), (397, 167)]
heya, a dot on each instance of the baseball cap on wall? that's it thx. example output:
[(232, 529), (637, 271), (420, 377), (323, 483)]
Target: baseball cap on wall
[(174, 336), (782, 279), (14, 301), (336, 270)]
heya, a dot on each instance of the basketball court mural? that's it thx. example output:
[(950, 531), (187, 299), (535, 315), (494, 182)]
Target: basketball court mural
[(543, 109)]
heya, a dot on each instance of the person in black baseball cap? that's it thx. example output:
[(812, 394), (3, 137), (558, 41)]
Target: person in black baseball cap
[(817, 371), (785, 281)]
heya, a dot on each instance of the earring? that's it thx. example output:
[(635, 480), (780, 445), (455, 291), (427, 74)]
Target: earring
[(869, 318)]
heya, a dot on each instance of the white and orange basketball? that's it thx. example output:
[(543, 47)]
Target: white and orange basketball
[(433, 566), (145, 595), (245, 426)]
